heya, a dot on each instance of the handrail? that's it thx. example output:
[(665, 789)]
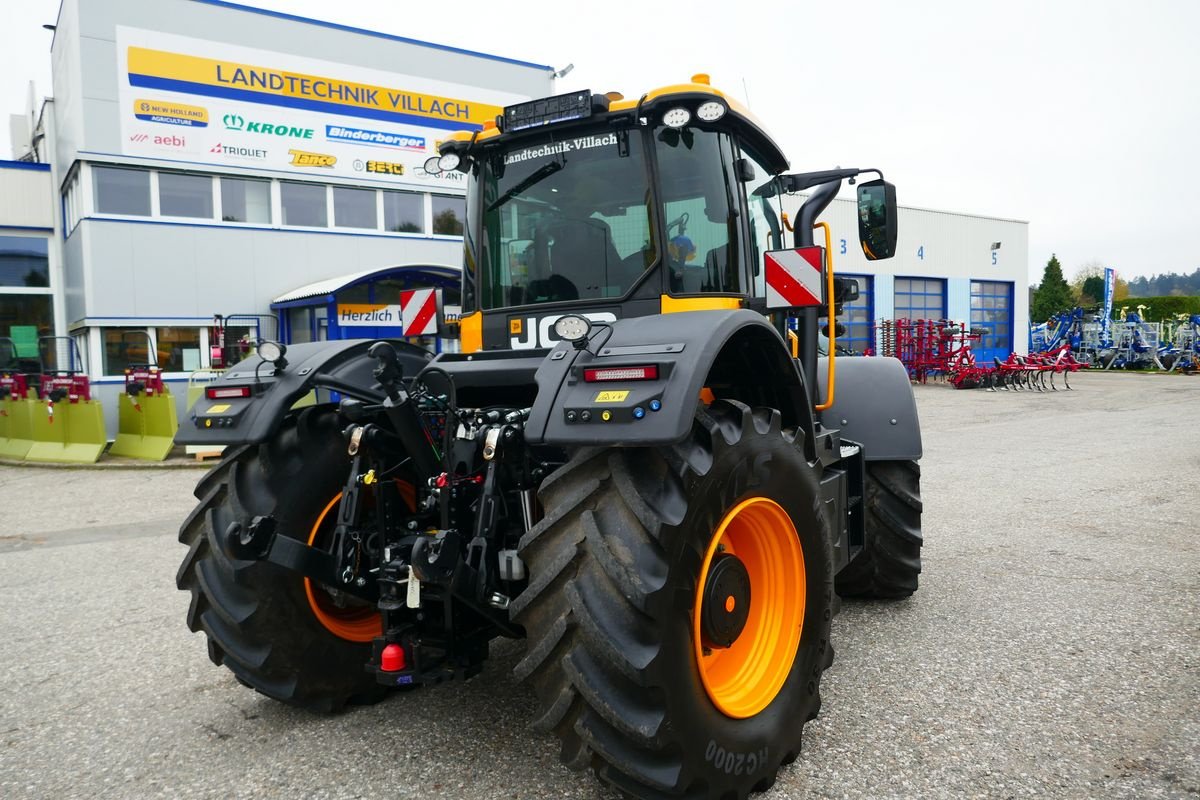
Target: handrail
[(830, 374)]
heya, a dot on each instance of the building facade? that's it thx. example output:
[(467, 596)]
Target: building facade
[(208, 158)]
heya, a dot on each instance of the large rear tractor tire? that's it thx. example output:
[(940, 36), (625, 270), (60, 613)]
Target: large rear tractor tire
[(890, 562), (277, 632), (678, 608)]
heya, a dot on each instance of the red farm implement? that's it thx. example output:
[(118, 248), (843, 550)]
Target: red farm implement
[(942, 349)]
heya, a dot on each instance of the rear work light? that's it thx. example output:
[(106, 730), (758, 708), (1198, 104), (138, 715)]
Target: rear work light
[(225, 392), (644, 373)]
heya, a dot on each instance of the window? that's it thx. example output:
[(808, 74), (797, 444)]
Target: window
[(920, 298), (24, 261), (858, 317), (403, 212), (764, 222), (123, 348), (182, 195), (354, 208), (303, 204), (694, 166), (561, 229), (71, 202), (991, 314), (178, 349), (25, 318), (244, 200), (122, 191), (448, 213), (300, 325)]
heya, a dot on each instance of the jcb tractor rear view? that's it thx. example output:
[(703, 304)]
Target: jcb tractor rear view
[(638, 462)]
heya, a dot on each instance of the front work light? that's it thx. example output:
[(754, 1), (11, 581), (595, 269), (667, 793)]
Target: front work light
[(448, 162), (677, 117), (573, 328), (431, 165), (711, 111), (273, 353)]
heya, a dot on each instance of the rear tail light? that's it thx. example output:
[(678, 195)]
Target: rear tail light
[(225, 392), (648, 372)]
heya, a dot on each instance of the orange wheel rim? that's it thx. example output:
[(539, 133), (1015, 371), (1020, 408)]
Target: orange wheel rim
[(744, 678), (352, 623)]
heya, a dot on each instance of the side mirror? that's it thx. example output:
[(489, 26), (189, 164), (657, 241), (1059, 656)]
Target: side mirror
[(877, 224), (845, 290)]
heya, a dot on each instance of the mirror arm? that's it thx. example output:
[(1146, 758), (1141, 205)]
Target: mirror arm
[(799, 181)]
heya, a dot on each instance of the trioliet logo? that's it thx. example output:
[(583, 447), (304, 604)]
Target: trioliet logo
[(301, 158), (233, 150), (236, 122)]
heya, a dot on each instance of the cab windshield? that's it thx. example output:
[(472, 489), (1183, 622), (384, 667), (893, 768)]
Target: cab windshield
[(564, 218)]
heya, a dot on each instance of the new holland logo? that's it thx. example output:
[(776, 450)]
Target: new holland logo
[(302, 158), (236, 122)]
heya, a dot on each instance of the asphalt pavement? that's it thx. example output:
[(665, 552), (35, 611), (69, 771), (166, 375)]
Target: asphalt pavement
[(1053, 649)]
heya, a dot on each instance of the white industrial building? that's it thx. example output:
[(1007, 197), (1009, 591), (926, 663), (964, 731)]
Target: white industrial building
[(201, 157), (948, 265)]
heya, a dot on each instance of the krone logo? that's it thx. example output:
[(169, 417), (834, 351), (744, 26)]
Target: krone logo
[(233, 122), (302, 158)]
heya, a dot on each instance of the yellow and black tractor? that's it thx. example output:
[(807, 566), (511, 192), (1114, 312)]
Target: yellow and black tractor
[(637, 462)]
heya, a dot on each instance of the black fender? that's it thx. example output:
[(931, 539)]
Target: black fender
[(341, 366), (873, 406), (736, 354)]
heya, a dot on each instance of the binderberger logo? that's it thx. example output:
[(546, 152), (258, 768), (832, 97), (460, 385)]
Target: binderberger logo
[(302, 158)]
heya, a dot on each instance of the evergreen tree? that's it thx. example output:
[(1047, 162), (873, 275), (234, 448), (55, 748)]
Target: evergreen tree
[(1092, 291), (1053, 294)]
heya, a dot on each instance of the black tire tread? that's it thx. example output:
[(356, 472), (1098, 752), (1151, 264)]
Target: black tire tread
[(252, 613), (592, 644), (890, 563)]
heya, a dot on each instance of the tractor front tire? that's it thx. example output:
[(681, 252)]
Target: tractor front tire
[(888, 566), (261, 620), (678, 607)]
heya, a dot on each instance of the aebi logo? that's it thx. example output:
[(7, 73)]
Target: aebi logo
[(170, 141), (530, 333)]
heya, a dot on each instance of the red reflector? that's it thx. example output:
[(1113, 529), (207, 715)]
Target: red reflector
[(646, 373), (223, 392), (392, 659)]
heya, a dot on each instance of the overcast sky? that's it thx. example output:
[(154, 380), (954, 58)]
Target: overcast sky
[(1081, 117)]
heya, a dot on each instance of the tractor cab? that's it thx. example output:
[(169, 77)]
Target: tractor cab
[(613, 208)]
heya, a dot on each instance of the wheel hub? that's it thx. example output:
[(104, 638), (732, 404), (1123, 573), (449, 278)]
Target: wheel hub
[(726, 603)]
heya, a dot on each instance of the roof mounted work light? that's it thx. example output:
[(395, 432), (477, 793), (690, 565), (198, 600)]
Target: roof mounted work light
[(677, 117), (711, 111)]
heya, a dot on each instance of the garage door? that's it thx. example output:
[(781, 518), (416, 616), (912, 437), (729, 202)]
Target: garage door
[(992, 312), (920, 298)]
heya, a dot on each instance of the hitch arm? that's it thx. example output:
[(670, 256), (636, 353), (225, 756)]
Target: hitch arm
[(260, 541)]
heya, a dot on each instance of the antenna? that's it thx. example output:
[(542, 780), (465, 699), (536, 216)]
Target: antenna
[(745, 92)]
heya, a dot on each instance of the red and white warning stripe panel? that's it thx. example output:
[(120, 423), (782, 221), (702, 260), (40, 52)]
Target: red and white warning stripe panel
[(418, 312), (794, 277)]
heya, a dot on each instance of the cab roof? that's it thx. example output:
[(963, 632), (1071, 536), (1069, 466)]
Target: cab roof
[(652, 104)]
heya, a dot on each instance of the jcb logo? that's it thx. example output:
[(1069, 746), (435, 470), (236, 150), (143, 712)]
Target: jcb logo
[(302, 158), (530, 333)]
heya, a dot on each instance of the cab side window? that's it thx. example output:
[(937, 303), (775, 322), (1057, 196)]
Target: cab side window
[(764, 220)]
